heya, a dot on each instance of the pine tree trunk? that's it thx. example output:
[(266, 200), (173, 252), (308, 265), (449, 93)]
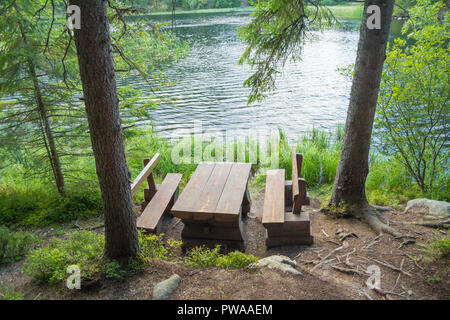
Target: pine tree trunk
[(47, 133), (102, 107), (349, 185)]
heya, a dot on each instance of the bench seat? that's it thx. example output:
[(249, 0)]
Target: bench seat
[(285, 222), (161, 203)]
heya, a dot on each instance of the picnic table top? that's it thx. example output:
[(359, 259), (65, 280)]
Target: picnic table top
[(215, 190)]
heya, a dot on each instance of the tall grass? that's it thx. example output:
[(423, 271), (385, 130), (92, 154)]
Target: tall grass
[(33, 201)]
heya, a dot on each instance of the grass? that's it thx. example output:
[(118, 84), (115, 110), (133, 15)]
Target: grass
[(7, 293), (32, 202), (348, 12), (439, 248)]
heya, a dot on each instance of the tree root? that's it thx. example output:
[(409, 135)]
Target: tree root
[(445, 224), (369, 215)]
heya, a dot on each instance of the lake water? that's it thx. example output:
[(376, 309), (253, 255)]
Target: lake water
[(209, 82)]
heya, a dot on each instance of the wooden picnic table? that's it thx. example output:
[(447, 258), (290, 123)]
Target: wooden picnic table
[(213, 204)]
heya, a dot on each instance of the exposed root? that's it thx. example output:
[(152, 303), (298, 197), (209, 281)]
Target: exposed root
[(380, 208), (369, 215), (439, 224)]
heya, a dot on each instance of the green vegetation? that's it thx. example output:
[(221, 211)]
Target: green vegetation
[(14, 246), (347, 12), (33, 204), (439, 248), (205, 257), (82, 248), (85, 249), (153, 247), (413, 105), (7, 293), (167, 5)]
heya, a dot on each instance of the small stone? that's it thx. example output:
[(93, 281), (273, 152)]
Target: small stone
[(278, 262), (164, 289)]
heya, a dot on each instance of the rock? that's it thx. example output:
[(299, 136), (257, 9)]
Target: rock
[(435, 208), (279, 262), (165, 288)]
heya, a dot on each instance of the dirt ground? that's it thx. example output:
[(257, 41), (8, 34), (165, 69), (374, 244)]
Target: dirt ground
[(406, 273)]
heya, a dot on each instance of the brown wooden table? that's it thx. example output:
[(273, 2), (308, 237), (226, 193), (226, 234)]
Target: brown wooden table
[(213, 204)]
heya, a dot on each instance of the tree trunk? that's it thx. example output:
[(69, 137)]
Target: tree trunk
[(102, 107), (349, 185), (47, 133)]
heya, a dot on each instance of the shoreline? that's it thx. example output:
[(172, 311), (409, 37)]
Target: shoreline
[(344, 12)]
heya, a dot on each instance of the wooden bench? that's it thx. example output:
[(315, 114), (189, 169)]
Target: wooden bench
[(285, 222), (159, 199)]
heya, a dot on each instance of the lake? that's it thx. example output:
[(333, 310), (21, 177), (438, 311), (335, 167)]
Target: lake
[(209, 82)]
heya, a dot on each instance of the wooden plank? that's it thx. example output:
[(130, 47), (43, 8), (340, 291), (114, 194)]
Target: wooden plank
[(294, 174), (151, 185), (144, 173), (185, 204), (297, 160), (234, 192), (206, 204), (273, 211), (153, 212)]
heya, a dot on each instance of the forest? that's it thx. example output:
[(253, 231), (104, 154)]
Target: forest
[(353, 116)]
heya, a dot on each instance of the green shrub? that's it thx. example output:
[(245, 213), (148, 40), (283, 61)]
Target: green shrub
[(235, 260), (113, 270), (205, 257), (82, 248), (14, 246), (152, 246), (440, 248)]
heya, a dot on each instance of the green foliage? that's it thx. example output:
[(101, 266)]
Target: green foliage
[(152, 246), (202, 257), (205, 257), (82, 248), (114, 271), (7, 293), (14, 246), (30, 41), (274, 35), (439, 248), (413, 105), (23, 205), (235, 260), (338, 211)]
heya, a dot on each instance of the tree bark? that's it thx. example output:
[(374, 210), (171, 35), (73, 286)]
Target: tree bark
[(47, 133), (349, 185), (102, 107)]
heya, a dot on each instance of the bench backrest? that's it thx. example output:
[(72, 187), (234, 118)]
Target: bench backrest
[(298, 184), (146, 174)]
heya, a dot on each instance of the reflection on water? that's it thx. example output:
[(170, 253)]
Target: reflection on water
[(310, 93)]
